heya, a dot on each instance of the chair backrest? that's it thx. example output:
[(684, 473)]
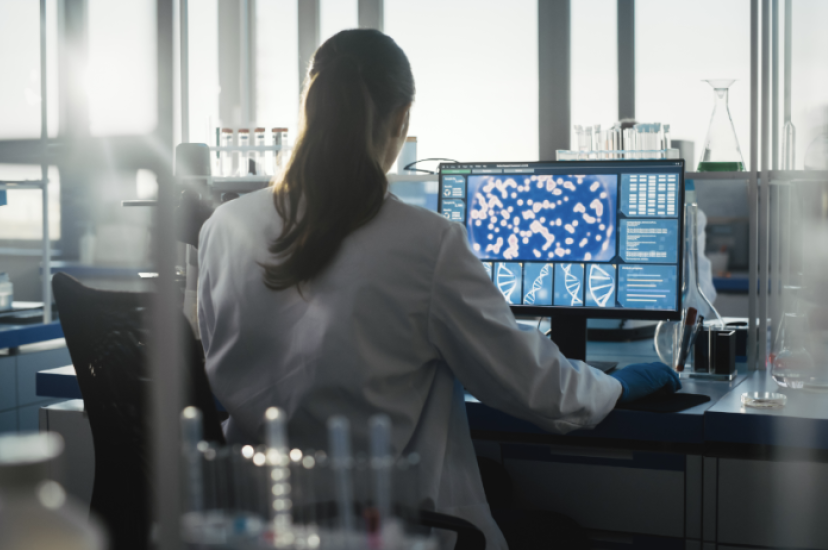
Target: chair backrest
[(106, 334)]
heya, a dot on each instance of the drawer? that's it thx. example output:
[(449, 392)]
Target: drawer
[(622, 491)]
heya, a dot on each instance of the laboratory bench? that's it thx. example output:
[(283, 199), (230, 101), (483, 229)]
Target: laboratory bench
[(714, 475)]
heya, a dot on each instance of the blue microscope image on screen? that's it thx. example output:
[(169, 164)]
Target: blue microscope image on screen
[(569, 285), (454, 187), (600, 291), (542, 217), (647, 286), (649, 241), (453, 209), (537, 284), (507, 279)]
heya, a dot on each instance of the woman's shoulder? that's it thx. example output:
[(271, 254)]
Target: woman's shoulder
[(402, 212), (251, 212)]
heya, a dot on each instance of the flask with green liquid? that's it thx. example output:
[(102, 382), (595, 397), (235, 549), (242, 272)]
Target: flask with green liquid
[(721, 147)]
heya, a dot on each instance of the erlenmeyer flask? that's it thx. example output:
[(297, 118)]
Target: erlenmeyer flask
[(721, 147)]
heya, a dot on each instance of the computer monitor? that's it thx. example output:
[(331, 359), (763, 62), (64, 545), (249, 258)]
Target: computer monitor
[(575, 240)]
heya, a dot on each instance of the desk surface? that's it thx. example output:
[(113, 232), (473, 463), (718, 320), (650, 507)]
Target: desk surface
[(14, 336), (803, 422)]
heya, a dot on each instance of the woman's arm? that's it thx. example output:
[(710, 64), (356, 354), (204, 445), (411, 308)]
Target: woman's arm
[(521, 373)]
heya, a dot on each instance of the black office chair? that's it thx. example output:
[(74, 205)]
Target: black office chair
[(106, 334)]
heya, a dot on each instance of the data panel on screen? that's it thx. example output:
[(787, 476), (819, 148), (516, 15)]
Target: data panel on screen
[(593, 236)]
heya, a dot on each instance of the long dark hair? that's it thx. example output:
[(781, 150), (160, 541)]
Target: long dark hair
[(335, 183)]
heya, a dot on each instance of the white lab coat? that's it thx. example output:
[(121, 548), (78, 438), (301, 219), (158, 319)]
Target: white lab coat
[(401, 320)]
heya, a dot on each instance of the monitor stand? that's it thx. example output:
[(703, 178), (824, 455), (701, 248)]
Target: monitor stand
[(569, 332)]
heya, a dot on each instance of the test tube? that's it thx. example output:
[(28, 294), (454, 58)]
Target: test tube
[(243, 155), (190, 439), (259, 140), (380, 427), (277, 459), (339, 442), (596, 139), (667, 140), (226, 157), (279, 143)]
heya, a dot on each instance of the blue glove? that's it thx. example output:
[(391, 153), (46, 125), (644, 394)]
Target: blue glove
[(642, 379)]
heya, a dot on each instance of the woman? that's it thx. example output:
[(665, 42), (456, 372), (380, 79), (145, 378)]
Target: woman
[(327, 295)]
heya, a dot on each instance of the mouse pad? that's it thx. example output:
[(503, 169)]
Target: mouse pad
[(662, 402)]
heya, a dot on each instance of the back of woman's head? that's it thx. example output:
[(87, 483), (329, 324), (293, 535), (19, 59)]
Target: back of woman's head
[(335, 183)]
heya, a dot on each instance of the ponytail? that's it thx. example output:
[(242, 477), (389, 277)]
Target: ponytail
[(335, 183)]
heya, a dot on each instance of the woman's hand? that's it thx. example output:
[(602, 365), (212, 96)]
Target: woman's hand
[(642, 379)]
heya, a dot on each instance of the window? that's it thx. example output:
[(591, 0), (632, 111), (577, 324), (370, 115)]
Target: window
[(594, 64), (203, 69), (677, 45), (20, 67), (809, 79), (475, 64), (122, 74), (277, 65), (22, 218), (335, 16)]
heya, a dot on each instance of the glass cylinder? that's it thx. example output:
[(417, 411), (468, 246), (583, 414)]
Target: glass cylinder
[(244, 155), (279, 143), (259, 141), (793, 365), (721, 146), (789, 146), (226, 157)]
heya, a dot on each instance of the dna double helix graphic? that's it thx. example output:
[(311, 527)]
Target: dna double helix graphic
[(572, 283), (537, 285), (506, 281), (600, 285)]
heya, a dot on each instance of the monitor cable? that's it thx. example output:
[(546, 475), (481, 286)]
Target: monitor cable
[(410, 165)]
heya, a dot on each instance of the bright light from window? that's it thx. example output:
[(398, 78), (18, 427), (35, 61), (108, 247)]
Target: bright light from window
[(122, 74), (20, 67), (277, 65), (22, 217), (679, 44), (475, 64), (809, 74), (204, 72), (335, 16), (594, 64)]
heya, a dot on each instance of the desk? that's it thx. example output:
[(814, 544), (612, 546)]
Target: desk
[(698, 479)]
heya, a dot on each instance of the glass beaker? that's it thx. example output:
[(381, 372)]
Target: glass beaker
[(793, 365), (721, 147), (667, 340)]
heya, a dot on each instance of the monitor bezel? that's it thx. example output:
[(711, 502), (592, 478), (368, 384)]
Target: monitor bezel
[(586, 311)]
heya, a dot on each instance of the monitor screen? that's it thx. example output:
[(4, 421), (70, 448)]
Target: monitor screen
[(602, 238)]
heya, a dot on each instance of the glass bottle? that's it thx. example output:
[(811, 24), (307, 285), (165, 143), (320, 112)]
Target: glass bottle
[(259, 141), (721, 146), (244, 155), (35, 511), (226, 157)]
